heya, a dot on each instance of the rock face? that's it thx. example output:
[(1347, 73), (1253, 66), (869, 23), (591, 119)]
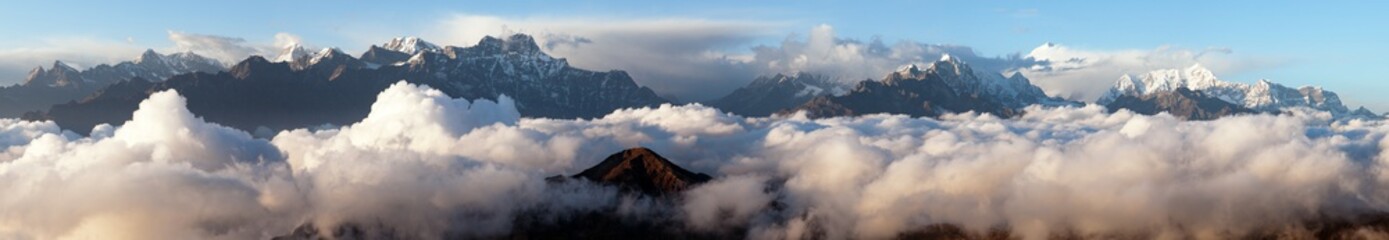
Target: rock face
[(941, 88), (62, 83), (769, 94), (1264, 96), (640, 169), (330, 87), (1181, 102)]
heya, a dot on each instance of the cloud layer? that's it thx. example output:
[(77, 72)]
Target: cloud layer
[(433, 167)]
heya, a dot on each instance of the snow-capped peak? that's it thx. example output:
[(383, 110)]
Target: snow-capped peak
[(949, 65), (1201, 77), (908, 70), (1014, 91), (1195, 77), (149, 56), (325, 53), (1263, 95), (410, 45), (291, 53)]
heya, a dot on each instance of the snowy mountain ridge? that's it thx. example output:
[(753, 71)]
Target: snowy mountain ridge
[(1263, 95), (1015, 91), (60, 83)]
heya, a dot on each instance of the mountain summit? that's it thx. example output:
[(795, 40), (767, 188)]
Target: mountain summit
[(640, 169), (410, 45), (1014, 91)]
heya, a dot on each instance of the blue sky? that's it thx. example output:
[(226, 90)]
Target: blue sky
[(1338, 45)]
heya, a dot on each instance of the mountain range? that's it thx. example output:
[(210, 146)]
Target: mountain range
[(1263, 96), (61, 82), (301, 88), (1181, 102), (944, 86), (330, 87)]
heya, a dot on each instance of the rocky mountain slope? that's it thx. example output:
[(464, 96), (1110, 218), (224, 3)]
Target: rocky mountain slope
[(1181, 102), (642, 170)]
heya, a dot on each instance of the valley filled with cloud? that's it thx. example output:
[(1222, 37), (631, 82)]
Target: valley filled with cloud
[(716, 119), (424, 165)]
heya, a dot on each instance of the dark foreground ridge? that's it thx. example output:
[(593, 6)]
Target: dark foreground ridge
[(640, 169)]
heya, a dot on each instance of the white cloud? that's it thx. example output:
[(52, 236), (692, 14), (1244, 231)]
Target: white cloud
[(164, 175), (424, 164), (1083, 74)]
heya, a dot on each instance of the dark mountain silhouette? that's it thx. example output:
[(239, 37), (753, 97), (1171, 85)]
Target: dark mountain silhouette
[(767, 95), (62, 83), (640, 169), (335, 88), (1182, 103)]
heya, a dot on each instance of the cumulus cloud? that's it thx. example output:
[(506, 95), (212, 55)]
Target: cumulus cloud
[(165, 174), (1085, 74), (429, 167)]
